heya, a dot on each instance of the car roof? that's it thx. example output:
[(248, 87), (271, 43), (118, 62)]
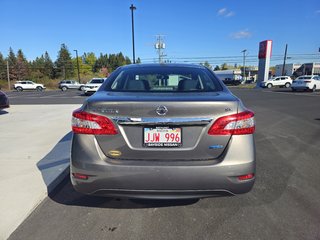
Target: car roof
[(308, 76), (147, 65)]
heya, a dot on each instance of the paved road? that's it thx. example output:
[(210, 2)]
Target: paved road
[(284, 203), (46, 97)]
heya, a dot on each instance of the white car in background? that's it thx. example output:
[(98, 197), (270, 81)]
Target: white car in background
[(280, 81), (93, 85), (28, 85), (306, 82)]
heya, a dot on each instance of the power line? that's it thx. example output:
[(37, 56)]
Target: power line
[(159, 45)]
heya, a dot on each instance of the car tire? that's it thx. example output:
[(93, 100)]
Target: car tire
[(269, 85), (81, 88), (19, 89), (287, 85), (314, 88), (39, 89), (63, 89)]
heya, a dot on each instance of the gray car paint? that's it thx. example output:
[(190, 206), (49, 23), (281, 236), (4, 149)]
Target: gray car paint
[(194, 170)]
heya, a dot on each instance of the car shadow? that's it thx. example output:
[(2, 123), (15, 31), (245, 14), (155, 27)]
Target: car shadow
[(54, 166), (289, 90), (66, 195), (262, 193), (55, 171)]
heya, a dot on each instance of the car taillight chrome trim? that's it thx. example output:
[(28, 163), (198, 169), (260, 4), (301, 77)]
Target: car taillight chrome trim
[(88, 123), (236, 124), (162, 121)]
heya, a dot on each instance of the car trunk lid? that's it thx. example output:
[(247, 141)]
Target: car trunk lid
[(187, 118)]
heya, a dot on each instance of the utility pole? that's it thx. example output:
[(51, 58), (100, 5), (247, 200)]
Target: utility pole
[(284, 60), (8, 74), (244, 64), (78, 65), (132, 8), (64, 72), (159, 45)]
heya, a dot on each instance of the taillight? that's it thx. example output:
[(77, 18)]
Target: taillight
[(235, 124), (88, 123)]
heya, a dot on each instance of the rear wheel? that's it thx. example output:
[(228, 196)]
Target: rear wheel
[(64, 89), (39, 89), (269, 85), (19, 89), (81, 88), (314, 88), (287, 85)]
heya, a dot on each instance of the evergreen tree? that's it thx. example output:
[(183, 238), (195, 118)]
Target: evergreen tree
[(12, 59), (206, 64), (216, 68), (64, 66), (138, 61), (21, 66), (48, 65), (101, 62), (3, 67)]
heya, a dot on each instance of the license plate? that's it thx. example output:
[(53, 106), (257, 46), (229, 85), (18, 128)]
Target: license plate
[(162, 137)]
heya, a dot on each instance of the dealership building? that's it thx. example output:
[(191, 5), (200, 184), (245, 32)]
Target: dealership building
[(289, 69), (297, 70)]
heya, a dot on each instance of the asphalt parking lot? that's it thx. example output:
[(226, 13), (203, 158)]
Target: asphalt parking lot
[(284, 203), (46, 97)]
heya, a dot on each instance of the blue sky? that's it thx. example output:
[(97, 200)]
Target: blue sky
[(203, 28)]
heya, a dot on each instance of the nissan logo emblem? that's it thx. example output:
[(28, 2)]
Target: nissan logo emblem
[(161, 110)]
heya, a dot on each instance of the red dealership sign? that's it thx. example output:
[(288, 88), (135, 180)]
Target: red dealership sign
[(264, 48)]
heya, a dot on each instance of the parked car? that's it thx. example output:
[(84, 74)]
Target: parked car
[(163, 131), (280, 81), (4, 101), (229, 81), (93, 85), (28, 85), (306, 82), (70, 84)]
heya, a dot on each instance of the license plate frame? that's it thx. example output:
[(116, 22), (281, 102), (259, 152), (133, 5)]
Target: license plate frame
[(162, 130)]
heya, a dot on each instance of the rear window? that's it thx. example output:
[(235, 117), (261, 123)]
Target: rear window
[(97, 81), (301, 78), (163, 79)]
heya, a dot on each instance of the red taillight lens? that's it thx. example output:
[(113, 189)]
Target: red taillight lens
[(246, 177), (80, 176), (88, 123), (236, 124)]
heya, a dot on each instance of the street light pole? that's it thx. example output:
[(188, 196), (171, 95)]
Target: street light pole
[(244, 64), (284, 60), (8, 75), (78, 65), (132, 8)]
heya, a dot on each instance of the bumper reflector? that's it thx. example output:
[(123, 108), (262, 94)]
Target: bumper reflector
[(246, 177), (80, 176)]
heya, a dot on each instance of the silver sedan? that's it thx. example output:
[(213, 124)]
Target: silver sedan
[(163, 131)]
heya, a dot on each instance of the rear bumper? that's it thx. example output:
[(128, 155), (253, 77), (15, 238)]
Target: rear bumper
[(301, 87), (147, 179)]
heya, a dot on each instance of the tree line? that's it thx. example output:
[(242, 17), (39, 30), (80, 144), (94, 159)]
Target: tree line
[(64, 67)]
